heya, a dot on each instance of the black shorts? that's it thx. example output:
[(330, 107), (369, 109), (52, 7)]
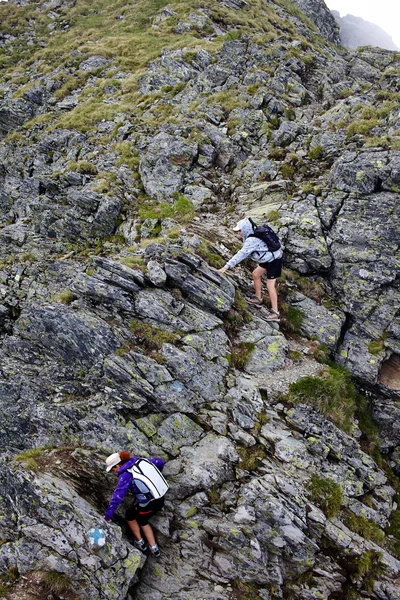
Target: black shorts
[(274, 268), (142, 514)]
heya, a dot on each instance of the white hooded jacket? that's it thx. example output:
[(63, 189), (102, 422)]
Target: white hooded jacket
[(252, 248)]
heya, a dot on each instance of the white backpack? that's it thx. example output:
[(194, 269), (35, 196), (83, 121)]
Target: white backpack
[(143, 470)]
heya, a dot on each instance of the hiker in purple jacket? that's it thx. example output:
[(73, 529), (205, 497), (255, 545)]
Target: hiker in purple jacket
[(144, 505)]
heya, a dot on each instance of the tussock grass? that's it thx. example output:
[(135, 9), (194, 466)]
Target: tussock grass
[(332, 394), (181, 210), (56, 583), (150, 337), (326, 494), (365, 527)]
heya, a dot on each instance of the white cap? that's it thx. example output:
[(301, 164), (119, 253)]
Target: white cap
[(240, 224), (112, 461)]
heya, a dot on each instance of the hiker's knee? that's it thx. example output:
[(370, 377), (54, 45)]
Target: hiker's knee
[(257, 273)]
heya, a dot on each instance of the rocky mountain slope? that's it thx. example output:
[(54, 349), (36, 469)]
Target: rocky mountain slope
[(355, 32), (133, 136)]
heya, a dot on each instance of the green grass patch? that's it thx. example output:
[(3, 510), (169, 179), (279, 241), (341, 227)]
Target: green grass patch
[(82, 166), (362, 127), (56, 583), (273, 216), (365, 527), (127, 155), (240, 354), (64, 297), (181, 210), (251, 458), (27, 454), (364, 570), (316, 153), (237, 316), (150, 337), (332, 394), (393, 529), (326, 494), (207, 254), (291, 318)]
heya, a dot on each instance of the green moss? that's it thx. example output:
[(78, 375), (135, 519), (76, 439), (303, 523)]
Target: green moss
[(295, 355), (326, 494), (377, 346), (332, 394), (213, 259)]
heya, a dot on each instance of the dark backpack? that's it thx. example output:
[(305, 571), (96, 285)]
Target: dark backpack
[(267, 235)]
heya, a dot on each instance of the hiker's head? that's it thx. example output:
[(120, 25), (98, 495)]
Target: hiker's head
[(116, 460), (244, 228)]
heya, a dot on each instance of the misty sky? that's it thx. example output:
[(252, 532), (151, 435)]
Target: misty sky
[(385, 13)]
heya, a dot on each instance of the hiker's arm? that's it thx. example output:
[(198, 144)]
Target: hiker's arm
[(243, 253), (124, 481)]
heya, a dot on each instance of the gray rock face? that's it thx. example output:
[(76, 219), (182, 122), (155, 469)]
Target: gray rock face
[(93, 63), (163, 164), (324, 324), (53, 535), (244, 111), (321, 16)]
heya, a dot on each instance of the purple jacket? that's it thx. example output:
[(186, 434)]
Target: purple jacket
[(125, 484)]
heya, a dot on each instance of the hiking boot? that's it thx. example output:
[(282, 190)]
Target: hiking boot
[(273, 317), (155, 551), (141, 545), (255, 301)]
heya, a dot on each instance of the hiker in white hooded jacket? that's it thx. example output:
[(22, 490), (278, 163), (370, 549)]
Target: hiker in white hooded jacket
[(269, 263)]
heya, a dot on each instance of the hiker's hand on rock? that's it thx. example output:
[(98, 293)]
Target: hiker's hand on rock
[(223, 270)]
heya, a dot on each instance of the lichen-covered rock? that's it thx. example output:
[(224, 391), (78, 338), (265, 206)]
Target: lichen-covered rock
[(305, 242), (320, 322), (52, 524), (163, 164)]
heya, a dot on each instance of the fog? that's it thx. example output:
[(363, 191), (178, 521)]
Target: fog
[(384, 13)]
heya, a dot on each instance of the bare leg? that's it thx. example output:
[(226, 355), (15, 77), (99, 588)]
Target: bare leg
[(134, 527), (273, 296), (257, 274), (148, 532)]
